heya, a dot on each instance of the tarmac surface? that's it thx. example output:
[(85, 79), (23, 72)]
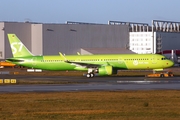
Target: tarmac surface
[(81, 83), (74, 81)]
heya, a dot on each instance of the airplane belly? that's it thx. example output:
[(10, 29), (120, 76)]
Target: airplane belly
[(55, 66), (119, 65), (138, 65)]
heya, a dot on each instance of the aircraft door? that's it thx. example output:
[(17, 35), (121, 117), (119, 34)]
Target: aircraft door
[(154, 59), (78, 60), (33, 62), (120, 60)]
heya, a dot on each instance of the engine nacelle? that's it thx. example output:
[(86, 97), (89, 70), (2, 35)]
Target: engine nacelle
[(106, 70)]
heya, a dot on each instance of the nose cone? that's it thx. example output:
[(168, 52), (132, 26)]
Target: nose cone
[(170, 63)]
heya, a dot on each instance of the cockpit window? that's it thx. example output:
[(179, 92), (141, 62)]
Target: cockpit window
[(164, 58)]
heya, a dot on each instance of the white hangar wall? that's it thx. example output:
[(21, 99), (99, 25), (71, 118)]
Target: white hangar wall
[(37, 39)]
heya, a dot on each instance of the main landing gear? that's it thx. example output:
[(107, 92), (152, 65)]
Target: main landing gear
[(90, 75), (91, 72)]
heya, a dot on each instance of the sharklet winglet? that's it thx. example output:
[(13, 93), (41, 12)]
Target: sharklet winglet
[(78, 53), (63, 57)]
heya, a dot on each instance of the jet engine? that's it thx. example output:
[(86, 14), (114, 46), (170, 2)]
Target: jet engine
[(106, 70)]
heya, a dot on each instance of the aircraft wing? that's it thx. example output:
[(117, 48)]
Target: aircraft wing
[(80, 64), (85, 65)]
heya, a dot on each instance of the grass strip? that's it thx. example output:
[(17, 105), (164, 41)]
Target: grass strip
[(104, 105)]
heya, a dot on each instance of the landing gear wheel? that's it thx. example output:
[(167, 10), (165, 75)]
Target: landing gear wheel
[(162, 75), (90, 75)]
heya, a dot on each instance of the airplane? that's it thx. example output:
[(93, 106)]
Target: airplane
[(104, 64)]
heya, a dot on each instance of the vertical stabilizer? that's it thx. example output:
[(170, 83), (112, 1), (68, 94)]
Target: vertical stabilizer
[(17, 47)]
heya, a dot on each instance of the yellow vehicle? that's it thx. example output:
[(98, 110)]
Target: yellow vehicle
[(166, 74)]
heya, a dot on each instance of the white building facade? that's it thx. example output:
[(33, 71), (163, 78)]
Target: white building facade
[(163, 35), (141, 42)]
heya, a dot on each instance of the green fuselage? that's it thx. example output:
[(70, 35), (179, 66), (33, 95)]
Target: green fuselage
[(101, 64), (117, 61)]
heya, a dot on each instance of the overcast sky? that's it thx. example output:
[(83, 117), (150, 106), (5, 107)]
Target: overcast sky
[(91, 11)]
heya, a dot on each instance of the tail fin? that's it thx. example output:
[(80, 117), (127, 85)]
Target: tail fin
[(17, 47)]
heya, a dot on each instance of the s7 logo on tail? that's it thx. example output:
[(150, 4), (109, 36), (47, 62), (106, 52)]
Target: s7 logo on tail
[(16, 48)]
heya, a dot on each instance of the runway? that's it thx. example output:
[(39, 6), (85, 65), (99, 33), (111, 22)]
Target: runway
[(92, 84), (87, 87)]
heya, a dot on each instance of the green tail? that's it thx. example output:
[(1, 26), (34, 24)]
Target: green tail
[(17, 47)]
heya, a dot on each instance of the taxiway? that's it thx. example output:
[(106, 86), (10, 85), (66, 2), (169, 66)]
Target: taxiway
[(80, 83)]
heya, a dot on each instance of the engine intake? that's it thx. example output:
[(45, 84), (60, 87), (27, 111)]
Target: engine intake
[(106, 70)]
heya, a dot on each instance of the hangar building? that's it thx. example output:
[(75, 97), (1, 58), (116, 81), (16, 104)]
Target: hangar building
[(162, 35), (69, 38), (90, 38)]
